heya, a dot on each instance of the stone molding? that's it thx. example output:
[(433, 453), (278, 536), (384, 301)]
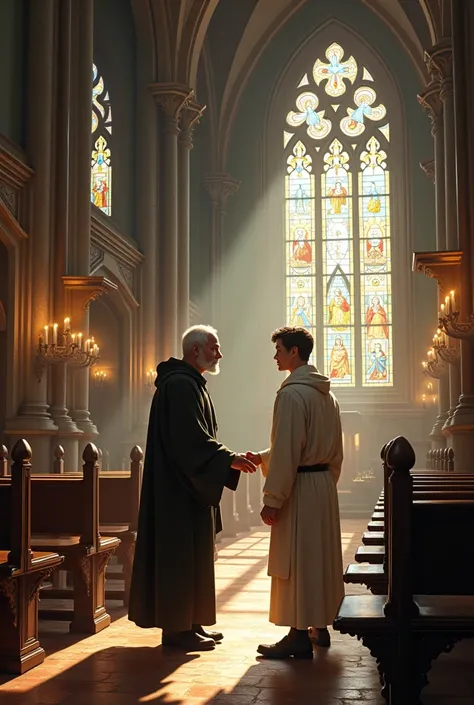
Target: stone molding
[(428, 167), (171, 97), (430, 101), (106, 238)]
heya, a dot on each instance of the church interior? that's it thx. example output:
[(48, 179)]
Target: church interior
[(246, 164)]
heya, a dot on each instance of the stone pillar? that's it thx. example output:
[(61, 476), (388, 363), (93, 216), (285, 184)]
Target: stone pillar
[(33, 415), (80, 183), (431, 102), (68, 431), (147, 228), (190, 115), (171, 99), (462, 425), (220, 187)]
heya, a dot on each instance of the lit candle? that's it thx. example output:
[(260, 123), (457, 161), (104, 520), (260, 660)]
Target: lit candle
[(73, 338), (442, 309), (447, 301), (46, 334), (96, 348), (55, 334), (67, 323), (79, 340), (88, 344), (453, 302)]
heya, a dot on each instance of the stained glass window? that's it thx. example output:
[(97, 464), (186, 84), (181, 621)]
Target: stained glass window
[(338, 247), (101, 166)]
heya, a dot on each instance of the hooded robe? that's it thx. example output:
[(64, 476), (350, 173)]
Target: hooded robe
[(184, 475), (305, 559)]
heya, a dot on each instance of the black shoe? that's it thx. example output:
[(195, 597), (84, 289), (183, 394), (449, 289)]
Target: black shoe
[(187, 641), (287, 647), (320, 637), (217, 636)]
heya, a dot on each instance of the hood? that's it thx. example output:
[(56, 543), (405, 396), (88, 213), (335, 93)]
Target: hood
[(175, 366), (309, 375)]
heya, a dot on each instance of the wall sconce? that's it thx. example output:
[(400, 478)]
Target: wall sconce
[(99, 378), (448, 319), (66, 347), (150, 379)]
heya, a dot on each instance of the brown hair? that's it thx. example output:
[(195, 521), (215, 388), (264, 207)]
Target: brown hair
[(295, 337)]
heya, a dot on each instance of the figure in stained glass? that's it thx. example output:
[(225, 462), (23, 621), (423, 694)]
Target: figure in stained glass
[(339, 311), (301, 248), (318, 125), (364, 98), (299, 315), (376, 320), (377, 369), (335, 71), (374, 252), (338, 197), (339, 366), (301, 200), (373, 205)]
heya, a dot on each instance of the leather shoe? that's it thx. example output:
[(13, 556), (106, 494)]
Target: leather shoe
[(217, 636), (187, 641), (320, 637), (287, 647)]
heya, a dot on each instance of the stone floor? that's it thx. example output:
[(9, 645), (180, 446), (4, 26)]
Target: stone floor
[(124, 665)]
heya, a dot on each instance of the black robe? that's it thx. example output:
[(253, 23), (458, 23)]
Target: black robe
[(184, 475)]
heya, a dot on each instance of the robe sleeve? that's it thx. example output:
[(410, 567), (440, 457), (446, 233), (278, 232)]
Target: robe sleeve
[(288, 441), (194, 453), (265, 456), (335, 464)]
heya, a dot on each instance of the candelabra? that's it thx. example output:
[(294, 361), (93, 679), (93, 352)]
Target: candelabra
[(99, 378), (448, 320), (150, 380), (69, 351), (436, 367), (448, 352)]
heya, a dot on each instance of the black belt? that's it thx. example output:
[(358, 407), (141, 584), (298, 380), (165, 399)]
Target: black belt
[(322, 467)]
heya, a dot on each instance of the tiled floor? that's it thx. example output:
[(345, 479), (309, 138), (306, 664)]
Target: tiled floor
[(124, 665)]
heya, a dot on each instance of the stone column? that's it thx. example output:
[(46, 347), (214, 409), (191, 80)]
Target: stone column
[(430, 101), (220, 187), (33, 414), (462, 424), (147, 228), (190, 115), (66, 426), (79, 261), (171, 99)]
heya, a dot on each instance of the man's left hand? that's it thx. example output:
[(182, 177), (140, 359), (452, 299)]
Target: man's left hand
[(270, 515)]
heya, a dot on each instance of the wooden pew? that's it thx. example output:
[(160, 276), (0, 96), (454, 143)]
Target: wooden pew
[(65, 517), (119, 505), (21, 570), (405, 632)]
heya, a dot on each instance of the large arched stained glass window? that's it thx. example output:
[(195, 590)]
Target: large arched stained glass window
[(338, 257), (101, 167)]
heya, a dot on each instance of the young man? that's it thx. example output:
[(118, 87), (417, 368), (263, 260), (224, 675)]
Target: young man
[(186, 470), (302, 467)]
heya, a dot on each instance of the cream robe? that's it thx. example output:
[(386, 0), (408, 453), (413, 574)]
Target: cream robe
[(305, 559)]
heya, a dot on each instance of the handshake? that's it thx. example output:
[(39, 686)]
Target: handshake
[(246, 462)]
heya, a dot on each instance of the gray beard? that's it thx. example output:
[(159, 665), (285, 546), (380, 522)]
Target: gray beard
[(211, 367)]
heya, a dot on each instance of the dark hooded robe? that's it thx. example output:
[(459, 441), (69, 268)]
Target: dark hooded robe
[(185, 472)]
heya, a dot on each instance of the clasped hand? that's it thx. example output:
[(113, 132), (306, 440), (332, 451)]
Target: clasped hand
[(243, 464)]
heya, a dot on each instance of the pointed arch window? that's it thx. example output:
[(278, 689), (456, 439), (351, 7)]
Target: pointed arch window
[(337, 204), (101, 164)]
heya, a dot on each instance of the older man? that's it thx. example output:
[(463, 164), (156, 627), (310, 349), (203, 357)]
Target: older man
[(302, 467), (186, 470)]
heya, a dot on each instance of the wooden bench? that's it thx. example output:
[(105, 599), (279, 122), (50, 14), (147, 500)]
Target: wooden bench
[(119, 504), (404, 632), (65, 517), (21, 570)]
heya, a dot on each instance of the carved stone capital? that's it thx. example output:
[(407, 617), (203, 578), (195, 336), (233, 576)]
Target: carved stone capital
[(430, 101), (88, 289), (171, 97), (440, 265), (428, 167), (439, 61), (190, 115), (220, 187)]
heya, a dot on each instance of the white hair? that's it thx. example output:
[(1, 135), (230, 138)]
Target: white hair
[(196, 334)]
